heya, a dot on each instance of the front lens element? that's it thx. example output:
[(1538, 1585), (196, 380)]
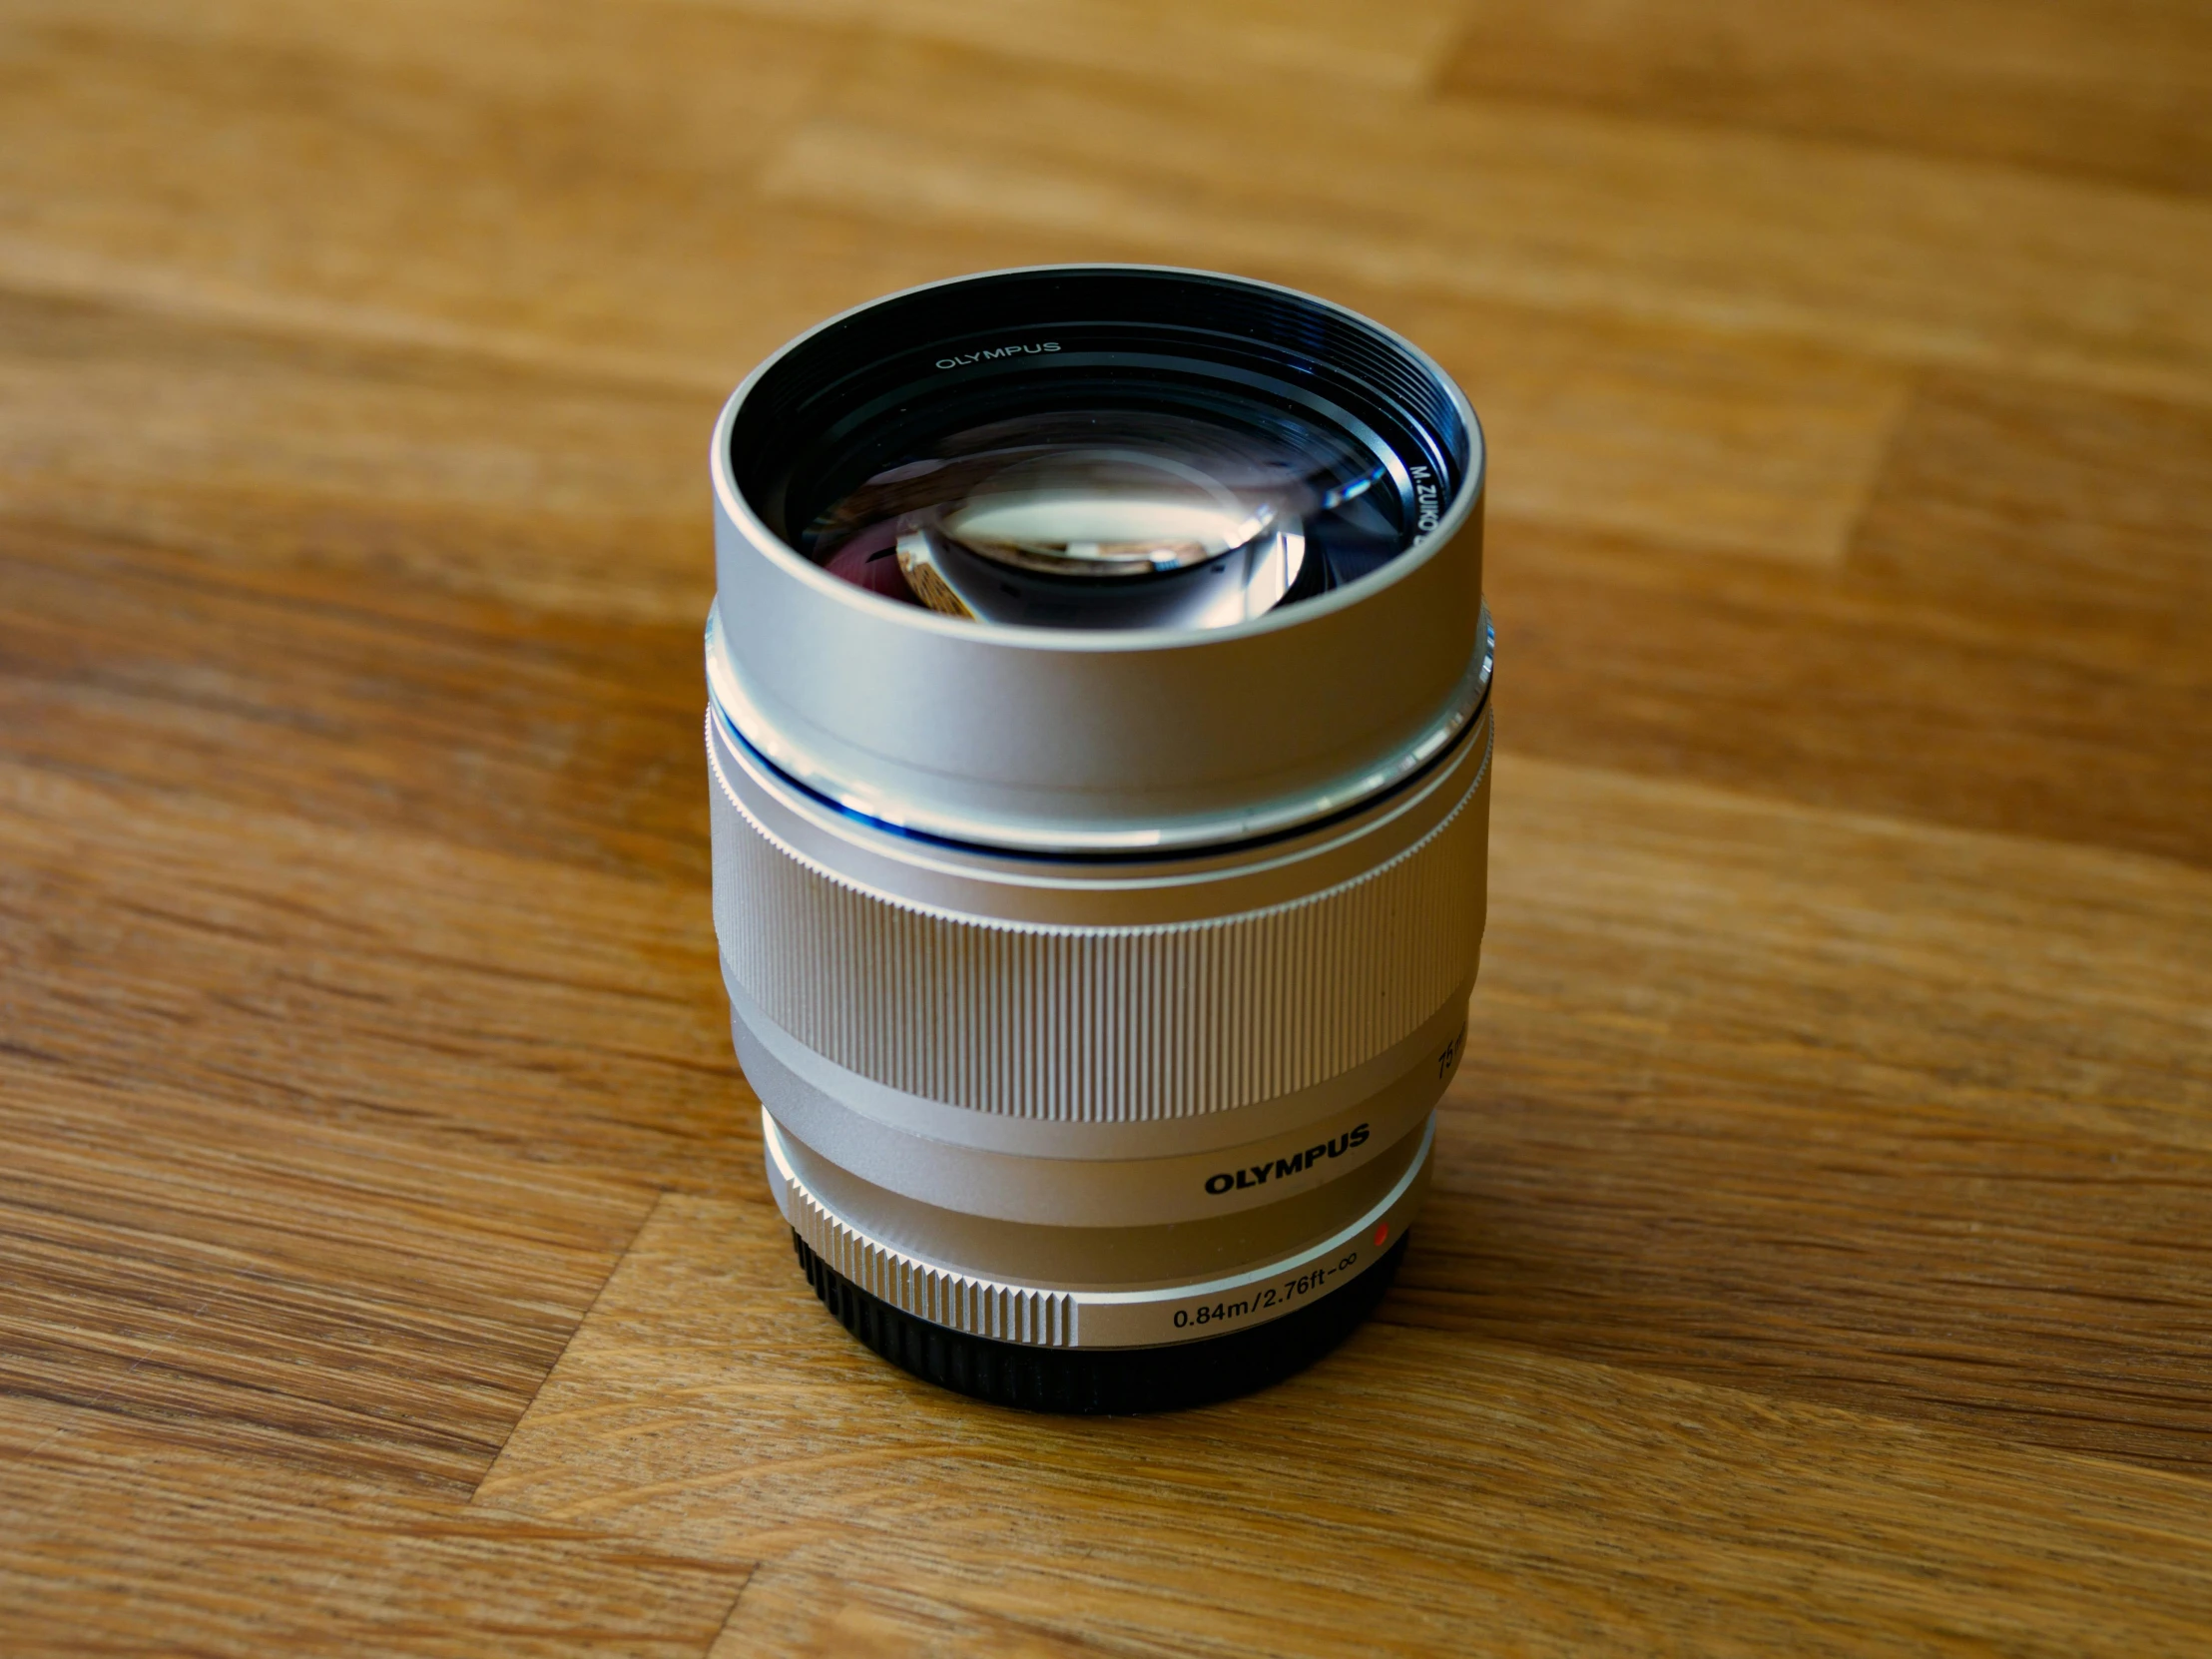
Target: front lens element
[(1183, 458), (1100, 517)]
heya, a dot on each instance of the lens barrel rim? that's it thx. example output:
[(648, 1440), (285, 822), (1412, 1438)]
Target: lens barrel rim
[(1164, 334), (1053, 742), (1465, 496)]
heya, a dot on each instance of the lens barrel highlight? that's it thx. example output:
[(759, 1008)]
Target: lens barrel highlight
[(1099, 741)]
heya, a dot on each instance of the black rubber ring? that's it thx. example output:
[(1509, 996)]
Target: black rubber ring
[(1115, 1381)]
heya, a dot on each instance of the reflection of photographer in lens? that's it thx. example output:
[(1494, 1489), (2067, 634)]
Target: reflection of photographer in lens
[(1099, 739)]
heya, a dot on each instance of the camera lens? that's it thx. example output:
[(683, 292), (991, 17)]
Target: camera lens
[(1099, 745)]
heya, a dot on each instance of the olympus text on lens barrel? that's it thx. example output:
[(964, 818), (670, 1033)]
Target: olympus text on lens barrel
[(1099, 740)]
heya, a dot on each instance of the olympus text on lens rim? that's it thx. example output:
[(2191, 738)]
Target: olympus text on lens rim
[(1099, 741)]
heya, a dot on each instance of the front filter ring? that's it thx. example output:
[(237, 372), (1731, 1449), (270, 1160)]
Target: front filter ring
[(1102, 1381)]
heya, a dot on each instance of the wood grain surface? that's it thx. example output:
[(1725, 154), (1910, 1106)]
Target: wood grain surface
[(1821, 1256)]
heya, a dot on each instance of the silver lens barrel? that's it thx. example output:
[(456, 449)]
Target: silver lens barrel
[(1098, 978)]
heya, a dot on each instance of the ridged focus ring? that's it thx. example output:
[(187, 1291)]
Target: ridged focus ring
[(1098, 1024)]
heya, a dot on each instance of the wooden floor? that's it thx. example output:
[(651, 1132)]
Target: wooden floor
[(1822, 1254)]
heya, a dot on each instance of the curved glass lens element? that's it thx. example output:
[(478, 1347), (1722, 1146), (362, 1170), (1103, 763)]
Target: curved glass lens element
[(1189, 469), (1112, 518)]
